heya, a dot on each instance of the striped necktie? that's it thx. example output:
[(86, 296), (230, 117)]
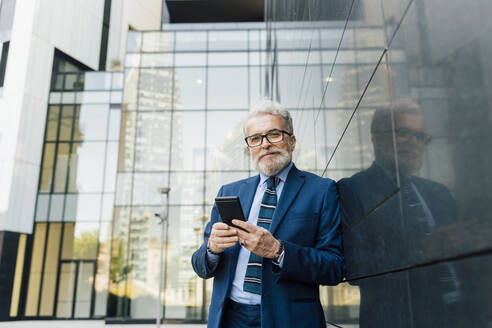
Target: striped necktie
[(252, 280), (419, 222)]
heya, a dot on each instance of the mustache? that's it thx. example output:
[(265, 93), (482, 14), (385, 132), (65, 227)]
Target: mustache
[(269, 152), (411, 152)]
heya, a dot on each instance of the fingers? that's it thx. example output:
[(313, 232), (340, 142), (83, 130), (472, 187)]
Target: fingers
[(220, 226), (221, 229), (225, 245), (252, 238), (243, 234), (254, 232), (225, 233), (222, 236), (245, 225), (218, 244), (260, 241), (226, 240)]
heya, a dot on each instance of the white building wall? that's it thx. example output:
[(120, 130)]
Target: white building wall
[(39, 26), (142, 15)]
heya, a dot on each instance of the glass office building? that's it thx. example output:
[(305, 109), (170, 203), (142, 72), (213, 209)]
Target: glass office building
[(66, 273), (413, 178)]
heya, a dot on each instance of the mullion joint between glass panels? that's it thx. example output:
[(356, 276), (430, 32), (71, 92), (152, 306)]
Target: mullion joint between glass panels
[(125, 305), (57, 285), (40, 294)]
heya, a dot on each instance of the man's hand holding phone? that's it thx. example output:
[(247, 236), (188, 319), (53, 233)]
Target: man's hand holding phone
[(222, 237)]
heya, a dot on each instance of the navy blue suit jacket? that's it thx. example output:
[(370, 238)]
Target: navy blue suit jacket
[(307, 220)]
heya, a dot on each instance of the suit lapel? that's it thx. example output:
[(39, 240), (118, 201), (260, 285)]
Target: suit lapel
[(292, 185), (382, 182)]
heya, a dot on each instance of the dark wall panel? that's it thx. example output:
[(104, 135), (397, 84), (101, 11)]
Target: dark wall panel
[(8, 256), (212, 11), (443, 294)]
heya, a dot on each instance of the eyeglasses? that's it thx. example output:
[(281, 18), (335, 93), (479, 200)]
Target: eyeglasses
[(406, 134), (273, 136)]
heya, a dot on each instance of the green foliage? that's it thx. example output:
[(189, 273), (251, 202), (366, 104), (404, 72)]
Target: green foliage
[(85, 246)]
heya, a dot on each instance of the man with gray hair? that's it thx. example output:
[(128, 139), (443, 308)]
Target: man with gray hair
[(267, 271)]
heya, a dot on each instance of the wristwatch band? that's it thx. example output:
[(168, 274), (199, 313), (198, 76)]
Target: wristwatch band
[(280, 254)]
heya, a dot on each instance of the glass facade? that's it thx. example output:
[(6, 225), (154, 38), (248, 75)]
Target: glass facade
[(68, 267), (177, 97), (389, 98)]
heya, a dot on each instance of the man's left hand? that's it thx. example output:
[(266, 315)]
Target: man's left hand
[(257, 239)]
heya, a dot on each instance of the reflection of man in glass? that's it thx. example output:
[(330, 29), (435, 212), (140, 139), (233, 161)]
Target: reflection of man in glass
[(410, 138), (390, 217)]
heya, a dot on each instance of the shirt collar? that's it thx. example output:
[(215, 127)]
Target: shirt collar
[(391, 172), (282, 175)]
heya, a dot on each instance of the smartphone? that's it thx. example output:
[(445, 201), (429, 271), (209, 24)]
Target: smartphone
[(230, 208)]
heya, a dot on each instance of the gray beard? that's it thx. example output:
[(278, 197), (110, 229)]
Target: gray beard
[(272, 166)]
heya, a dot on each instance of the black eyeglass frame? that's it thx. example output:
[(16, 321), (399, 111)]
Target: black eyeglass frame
[(266, 137), (421, 136)]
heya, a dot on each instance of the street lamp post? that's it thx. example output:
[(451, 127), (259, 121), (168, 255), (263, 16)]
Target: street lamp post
[(162, 220)]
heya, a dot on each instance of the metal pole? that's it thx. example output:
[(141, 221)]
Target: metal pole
[(162, 220), (166, 250), (159, 297)]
